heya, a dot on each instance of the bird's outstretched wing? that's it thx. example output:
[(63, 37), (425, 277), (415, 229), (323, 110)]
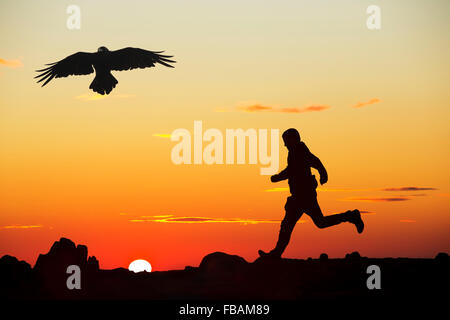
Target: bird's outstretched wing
[(79, 63), (132, 58)]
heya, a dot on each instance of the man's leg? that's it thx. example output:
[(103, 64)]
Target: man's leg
[(291, 217), (322, 221)]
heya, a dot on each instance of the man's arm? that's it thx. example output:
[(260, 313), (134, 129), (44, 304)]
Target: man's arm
[(283, 175), (317, 164)]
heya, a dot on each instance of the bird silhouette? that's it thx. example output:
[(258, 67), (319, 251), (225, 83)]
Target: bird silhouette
[(103, 62)]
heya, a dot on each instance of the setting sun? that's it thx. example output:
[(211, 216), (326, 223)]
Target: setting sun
[(140, 265)]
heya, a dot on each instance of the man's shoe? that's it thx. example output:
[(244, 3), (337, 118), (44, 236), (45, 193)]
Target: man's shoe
[(357, 221)]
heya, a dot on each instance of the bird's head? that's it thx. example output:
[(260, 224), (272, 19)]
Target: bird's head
[(102, 49)]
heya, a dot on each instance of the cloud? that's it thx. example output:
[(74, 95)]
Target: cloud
[(15, 63), (174, 219), (255, 108), (261, 108), (306, 109), (21, 227), (392, 199), (191, 219), (408, 221), (162, 135), (282, 189), (404, 189), (408, 189), (363, 104), (365, 212)]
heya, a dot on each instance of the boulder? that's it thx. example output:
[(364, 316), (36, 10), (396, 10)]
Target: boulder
[(51, 268), (442, 257), (323, 257), (219, 262), (353, 256), (15, 277)]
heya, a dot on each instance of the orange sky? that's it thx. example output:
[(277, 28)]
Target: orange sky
[(372, 105)]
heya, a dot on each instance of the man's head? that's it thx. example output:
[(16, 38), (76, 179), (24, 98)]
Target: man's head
[(291, 138)]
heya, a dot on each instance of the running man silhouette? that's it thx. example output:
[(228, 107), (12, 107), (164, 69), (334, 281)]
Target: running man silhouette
[(303, 199)]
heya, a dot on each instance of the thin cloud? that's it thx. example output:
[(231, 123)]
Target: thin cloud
[(366, 103), (303, 110), (191, 219), (162, 135), (174, 219), (404, 189), (409, 189), (363, 212), (283, 189), (15, 63), (255, 108), (408, 221), (21, 227), (261, 108), (280, 189), (391, 199)]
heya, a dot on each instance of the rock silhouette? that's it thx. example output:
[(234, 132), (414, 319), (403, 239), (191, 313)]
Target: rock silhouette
[(219, 262), (50, 271), (16, 277), (442, 257), (224, 276), (353, 256), (323, 257)]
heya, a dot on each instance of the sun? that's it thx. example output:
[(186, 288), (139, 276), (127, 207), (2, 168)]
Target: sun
[(140, 265)]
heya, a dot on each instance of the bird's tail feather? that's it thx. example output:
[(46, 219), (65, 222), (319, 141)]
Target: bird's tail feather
[(103, 83)]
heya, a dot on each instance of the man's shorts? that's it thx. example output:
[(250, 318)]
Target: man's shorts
[(306, 203)]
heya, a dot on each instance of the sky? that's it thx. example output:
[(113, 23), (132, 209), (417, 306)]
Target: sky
[(373, 105)]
